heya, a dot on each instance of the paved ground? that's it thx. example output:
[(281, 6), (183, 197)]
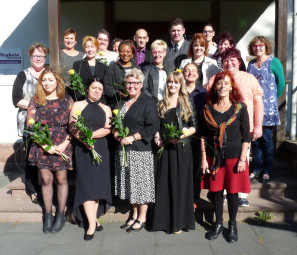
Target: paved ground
[(27, 238)]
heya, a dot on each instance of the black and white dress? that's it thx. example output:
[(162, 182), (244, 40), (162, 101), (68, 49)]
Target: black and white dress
[(136, 181)]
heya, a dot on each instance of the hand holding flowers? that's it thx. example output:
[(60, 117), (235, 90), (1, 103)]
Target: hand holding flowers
[(85, 135), (41, 135)]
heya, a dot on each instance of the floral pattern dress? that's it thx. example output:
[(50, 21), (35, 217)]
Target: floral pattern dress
[(55, 113)]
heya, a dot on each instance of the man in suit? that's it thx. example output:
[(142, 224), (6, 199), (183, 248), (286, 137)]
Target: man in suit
[(143, 54), (178, 47)]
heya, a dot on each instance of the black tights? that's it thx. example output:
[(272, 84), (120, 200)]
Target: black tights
[(218, 200)]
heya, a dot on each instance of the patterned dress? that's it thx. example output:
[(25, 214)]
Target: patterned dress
[(135, 182), (268, 83), (55, 113)]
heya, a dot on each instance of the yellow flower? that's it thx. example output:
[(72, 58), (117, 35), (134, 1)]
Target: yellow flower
[(178, 70), (115, 111), (185, 131), (71, 71), (77, 112), (101, 53), (31, 121)]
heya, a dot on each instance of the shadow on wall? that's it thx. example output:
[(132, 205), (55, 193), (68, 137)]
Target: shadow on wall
[(33, 28)]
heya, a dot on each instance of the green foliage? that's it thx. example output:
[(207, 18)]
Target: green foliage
[(122, 88), (263, 217), (41, 135), (77, 83)]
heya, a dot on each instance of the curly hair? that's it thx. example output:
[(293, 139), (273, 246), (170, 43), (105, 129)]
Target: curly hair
[(235, 95), (183, 98), (201, 40), (226, 36), (40, 92), (131, 44), (268, 44)]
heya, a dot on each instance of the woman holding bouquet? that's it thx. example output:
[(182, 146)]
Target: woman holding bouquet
[(52, 107), (225, 138), (93, 179), (134, 178), (173, 209), (89, 66)]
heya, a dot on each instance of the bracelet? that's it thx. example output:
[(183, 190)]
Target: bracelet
[(134, 137), (242, 160)]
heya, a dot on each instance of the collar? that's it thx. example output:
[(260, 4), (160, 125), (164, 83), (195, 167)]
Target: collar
[(139, 50), (179, 44)]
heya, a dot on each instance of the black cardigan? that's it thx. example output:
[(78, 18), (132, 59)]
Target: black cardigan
[(142, 117)]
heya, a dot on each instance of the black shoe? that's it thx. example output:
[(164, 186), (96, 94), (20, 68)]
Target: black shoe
[(141, 226), (126, 226), (214, 233), (99, 228), (48, 223), (232, 232), (59, 223), (89, 237), (265, 178)]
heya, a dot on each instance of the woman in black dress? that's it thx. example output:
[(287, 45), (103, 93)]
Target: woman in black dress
[(92, 181), (52, 107), (173, 209), (89, 66)]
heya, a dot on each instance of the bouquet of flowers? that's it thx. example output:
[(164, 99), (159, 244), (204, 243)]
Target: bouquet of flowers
[(117, 122), (86, 135), (171, 133), (102, 59), (41, 135), (76, 81)]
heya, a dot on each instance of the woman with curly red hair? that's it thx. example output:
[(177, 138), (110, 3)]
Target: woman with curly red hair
[(225, 138)]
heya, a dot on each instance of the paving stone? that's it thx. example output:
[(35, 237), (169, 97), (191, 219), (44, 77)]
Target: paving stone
[(27, 227)]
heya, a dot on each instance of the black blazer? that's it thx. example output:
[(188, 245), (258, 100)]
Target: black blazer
[(151, 80), (83, 69), (174, 58), (142, 117)]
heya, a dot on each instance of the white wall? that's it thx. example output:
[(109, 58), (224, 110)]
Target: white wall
[(22, 23)]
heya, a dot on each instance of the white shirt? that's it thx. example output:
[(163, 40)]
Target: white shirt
[(162, 83)]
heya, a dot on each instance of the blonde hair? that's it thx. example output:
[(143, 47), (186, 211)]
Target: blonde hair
[(39, 46), (159, 42), (91, 39), (40, 92), (136, 73), (183, 97)]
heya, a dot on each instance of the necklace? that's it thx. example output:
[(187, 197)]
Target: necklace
[(223, 108)]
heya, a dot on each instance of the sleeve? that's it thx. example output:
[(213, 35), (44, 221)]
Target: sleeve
[(31, 110), (146, 72), (245, 125), (242, 66), (276, 68), (152, 121), (17, 89), (193, 121), (109, 89), (257, 89), (202, 129)]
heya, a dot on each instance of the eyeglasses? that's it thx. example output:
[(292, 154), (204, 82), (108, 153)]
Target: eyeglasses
[(207, 31), (258, 45), (38, 57), (102, 40), (135, 84)]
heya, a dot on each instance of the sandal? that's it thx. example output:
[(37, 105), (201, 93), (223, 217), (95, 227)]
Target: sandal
[(265, 178)]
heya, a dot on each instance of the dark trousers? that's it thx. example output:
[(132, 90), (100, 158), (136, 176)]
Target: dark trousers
[(263, 147)]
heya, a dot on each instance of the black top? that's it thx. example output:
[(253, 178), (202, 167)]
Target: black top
[(142, 117), (17, 90), (115, 74), (236, 133), (83, 68)]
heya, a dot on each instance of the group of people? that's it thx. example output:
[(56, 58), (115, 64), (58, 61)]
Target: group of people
[(189, 110)]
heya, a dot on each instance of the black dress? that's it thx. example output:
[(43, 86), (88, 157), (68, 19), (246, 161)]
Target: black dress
[(92, 181), (173, 209)]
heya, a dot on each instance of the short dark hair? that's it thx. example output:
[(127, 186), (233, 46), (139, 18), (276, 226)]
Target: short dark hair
[(177, 22), (69, 31), (104, 31), (232, 53), (226, 36), (93, 79)]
